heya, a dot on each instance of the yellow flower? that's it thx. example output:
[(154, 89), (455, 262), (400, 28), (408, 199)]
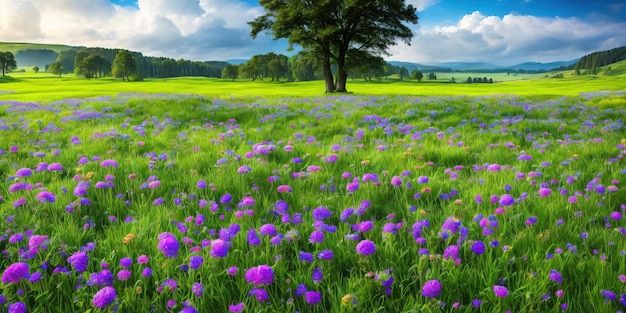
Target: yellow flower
[(89, 175), (128, 238), (346, 299), (365, 162)]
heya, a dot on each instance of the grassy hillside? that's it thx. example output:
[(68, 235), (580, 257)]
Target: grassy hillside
[(13, 47)]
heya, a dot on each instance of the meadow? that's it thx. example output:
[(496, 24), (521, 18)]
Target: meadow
[(190, 195)]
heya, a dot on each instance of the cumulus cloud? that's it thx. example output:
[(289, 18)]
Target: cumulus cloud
[(189, 29), (19, 21), (217, 30), (510, 39)]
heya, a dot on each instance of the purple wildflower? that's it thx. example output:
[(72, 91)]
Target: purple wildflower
[(478, 247), (555, 276), (500, 291), (507, 200), (79, 261), (326, 254), (236, 308), (431, 289), (195, 261), (17, 307), (260, 275), (168, 244), (312, 297), (104, 297), (366, 247), (15, 272)]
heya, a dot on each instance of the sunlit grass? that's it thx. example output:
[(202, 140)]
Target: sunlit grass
[(431, 174)]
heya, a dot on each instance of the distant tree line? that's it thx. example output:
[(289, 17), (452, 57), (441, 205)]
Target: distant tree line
[(97, 62), (591, 63)]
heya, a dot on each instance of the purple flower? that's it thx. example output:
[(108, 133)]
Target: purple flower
[(142, 259), (24, 172), (253, 238), (55, 167), (236, 308), (431, 289), (126, 262), (259, 294), (326, 254), (17, 307), (396, 181), (197, 289), (219, 248), (366, 226), (195, 261), (232, 271), (544, 192), (616, 215), (306, 257), (15, 272), (317, 275), (507, 200), (103, 278), (267, 230), (366, 247), (312, 297), (104, 297), (500, 291), (422, 179), (478, 247), (123, 275), (168, 244), (147, 272), (108, 163), (260, 275), (555, 276), (352, 187), (317, 236), (79, 261)]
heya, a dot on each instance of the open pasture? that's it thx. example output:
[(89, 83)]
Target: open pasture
[(45, 87), (171, 203)]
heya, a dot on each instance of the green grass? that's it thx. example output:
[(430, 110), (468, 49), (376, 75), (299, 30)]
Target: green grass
[(14, 47), (29, 86), (575, 143)]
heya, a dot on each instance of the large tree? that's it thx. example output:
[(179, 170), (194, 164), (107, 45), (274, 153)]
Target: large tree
[(56, 68), (7, 62), (124, 65), (333, 28)]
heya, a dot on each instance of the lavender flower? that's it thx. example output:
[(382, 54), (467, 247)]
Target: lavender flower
[(236, 308), (312, 297), (366, 247), (168, 244), (431, 289), (104, 297), (500, 291), (79, 261), (15, 272), (260, 275)]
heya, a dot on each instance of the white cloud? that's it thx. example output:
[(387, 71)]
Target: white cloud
[(19, 21), (217, 30), (421, 5), (510, 39)]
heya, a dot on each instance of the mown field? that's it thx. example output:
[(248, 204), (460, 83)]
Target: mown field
[(45, 87), (199, 195)]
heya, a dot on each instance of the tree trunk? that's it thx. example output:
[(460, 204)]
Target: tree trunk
[(342, 74), (328, 75)]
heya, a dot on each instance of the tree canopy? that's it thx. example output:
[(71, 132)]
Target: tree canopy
[(124, 65), (333, 29), (7, 62)]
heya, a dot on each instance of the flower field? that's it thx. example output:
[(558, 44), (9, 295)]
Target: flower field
[(181, 203)]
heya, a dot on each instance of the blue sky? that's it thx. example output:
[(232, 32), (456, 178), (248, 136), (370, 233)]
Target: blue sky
[(503, 32)]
